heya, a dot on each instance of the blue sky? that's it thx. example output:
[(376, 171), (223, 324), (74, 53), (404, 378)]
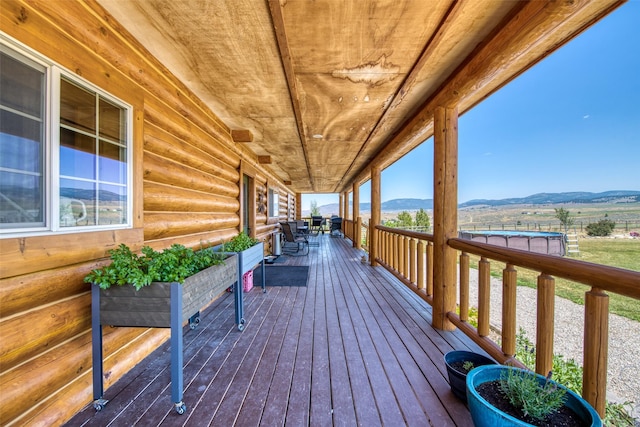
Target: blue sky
[(570, 123)]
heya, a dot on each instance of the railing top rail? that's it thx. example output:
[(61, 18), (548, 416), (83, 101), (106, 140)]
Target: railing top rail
[(612, 279), (414, 234)]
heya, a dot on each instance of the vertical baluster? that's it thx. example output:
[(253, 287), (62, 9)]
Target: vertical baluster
[(545, 319), (430, 269), (484, 296), (388, 239), (401, 254), (464, 287), (596, 346), (412, 260), (509, 286), (384, 240), (420, 265)]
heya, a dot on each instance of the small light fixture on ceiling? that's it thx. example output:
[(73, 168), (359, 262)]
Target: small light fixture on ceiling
[(317, 136)]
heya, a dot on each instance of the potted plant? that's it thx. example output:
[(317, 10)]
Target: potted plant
[(459, 363), (505, 396)]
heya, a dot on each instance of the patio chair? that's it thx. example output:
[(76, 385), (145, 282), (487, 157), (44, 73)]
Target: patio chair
[(293, 243), (336, 227), (317, 224)]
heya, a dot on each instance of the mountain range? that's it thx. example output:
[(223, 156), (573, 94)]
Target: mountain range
[(616, 196)]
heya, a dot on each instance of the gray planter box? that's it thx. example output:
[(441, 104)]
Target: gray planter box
[(151, 305)]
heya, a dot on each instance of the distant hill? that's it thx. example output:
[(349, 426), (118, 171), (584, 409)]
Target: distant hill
[(393, 205), (561, 198)]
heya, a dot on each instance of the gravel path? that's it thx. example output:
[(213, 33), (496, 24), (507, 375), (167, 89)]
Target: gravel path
[(624, 337)]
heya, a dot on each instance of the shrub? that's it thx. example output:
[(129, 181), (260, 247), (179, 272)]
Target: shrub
[(524, 392), (604, 227)]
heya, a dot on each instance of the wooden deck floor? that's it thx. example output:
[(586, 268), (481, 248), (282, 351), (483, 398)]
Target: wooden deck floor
[(354, 347)]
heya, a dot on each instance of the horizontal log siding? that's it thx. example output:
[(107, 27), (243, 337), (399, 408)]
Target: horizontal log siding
[(186, 191)]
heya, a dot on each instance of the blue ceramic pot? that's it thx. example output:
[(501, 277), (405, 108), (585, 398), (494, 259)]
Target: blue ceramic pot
[(486, 415), (457, 379)]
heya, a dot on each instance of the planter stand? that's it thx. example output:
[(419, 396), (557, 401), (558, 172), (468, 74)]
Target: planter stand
[(120, 307), (247, 259), (176, 348)]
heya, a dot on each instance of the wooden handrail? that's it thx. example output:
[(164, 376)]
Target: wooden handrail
[(612, 279)]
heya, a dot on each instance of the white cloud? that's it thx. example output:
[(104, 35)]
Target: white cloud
[(586, 116)]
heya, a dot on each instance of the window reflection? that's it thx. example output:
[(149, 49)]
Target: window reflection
[(21, 143)]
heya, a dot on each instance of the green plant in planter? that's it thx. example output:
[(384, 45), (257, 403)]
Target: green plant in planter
[(525, 392), (468, 365), (173, 264), (239, 243)]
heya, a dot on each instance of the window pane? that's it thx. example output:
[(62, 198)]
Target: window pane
[(77, 155), (113, 205), (111, 121), (20, 200), (112, 163), (21, 86), (21, 144), (77, 203), (77, 107)]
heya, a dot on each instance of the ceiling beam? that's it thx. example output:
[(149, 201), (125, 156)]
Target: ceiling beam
[(283, 45)]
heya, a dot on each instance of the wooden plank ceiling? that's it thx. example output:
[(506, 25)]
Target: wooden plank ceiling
[(325, 86)]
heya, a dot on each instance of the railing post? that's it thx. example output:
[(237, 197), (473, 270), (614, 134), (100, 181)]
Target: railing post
[(596, 349), (545, 320), (464, 287), (484, 296), (357, 233), (509, 286)]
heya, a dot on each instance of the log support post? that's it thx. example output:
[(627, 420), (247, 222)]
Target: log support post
[(298, 214), (445, 214), (357, 232), (376, 205)]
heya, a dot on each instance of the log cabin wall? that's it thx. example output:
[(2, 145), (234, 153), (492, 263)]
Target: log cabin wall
[(186, 190)]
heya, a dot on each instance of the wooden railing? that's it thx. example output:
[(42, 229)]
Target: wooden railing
[(357, 231), (409, 256)]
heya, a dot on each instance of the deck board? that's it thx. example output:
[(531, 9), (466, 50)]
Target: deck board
[(353, 347)]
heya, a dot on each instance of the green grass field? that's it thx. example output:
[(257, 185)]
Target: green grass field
[(623, 253)]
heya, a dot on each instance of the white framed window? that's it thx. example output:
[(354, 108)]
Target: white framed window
[(273, 203), (65, 150)]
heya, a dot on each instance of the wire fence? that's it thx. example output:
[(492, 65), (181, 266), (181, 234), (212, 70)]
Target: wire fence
[(579, 226)]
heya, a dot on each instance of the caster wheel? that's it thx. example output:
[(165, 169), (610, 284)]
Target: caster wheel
[(194, 324), (99, 404), (181, 408), (241, 325)]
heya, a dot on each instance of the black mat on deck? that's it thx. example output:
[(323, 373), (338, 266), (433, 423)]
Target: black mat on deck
[(282, 275)]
